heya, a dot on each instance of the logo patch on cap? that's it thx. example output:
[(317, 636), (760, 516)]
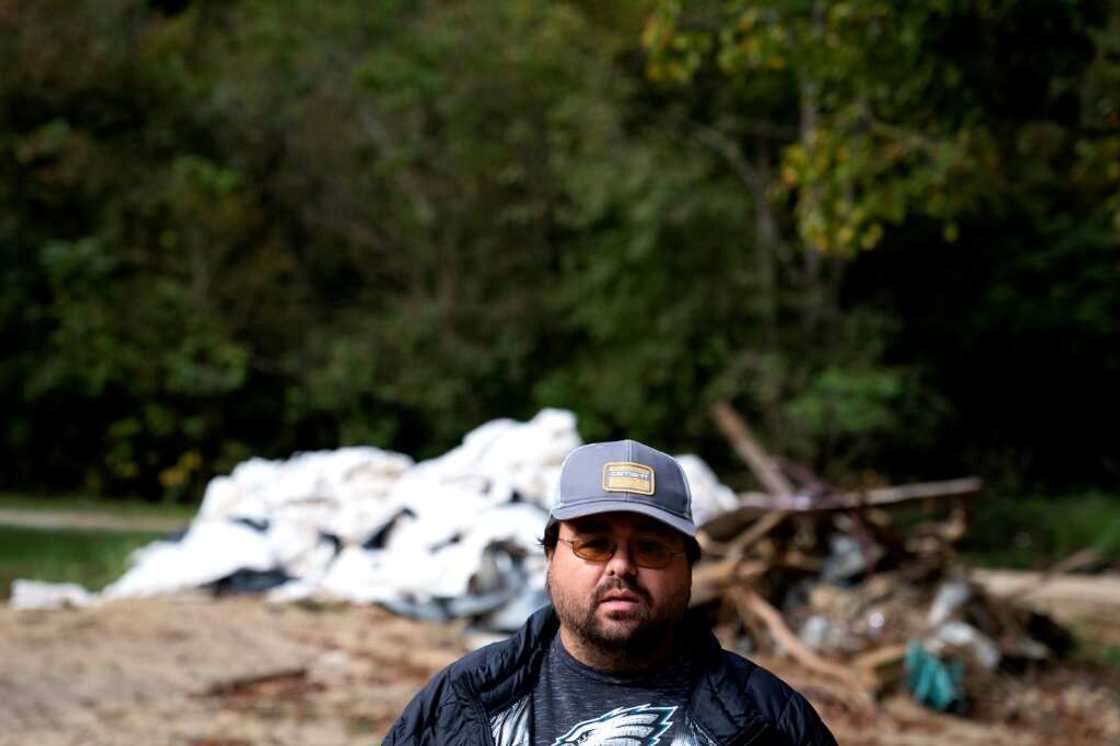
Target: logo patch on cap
[(626, 476)]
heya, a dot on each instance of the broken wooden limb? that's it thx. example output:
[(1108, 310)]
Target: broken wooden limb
[(758, 530), (878, 497), (744, 443), (811, 483), (882, 666), (793, 558), (710, 580), (1036, 581), (754, 504), (763, 466), (750, 604), (963, 487), (1058, 590), (710, 547), (798, 560), (878, 657), (252, 684)]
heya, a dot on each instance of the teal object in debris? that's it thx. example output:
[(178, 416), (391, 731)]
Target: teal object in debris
[(934, 683)]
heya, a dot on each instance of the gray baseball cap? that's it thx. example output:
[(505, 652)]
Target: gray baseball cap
[(624, 475)]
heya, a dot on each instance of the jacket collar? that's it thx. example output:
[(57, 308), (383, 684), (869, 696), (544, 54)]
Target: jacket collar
[(719, 703), (512, 669)]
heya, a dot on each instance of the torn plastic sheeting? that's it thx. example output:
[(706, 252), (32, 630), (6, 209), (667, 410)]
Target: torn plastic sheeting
[(456, 563), (493, 568), (419, 570), (511, 585), (437, 514), (822, 634), (249, 581), (257, 487), (454, 535), (373, 576), (935, 683), (950, 597), (710, 497), (849, 559), (966, 637), (355, 521), (211, 550), (380, 537), (510, 617), (34, 594), (512, 457), (300, 549), (353, 576)]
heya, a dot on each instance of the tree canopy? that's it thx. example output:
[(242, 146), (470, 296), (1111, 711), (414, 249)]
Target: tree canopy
[(887, 231)]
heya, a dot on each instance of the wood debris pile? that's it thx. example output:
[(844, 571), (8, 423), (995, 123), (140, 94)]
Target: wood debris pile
[(831, 579)]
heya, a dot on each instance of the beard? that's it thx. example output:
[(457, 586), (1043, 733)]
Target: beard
[(633, 631)]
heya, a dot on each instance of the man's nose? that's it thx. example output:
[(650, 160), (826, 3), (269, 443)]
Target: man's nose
[(622, 562)]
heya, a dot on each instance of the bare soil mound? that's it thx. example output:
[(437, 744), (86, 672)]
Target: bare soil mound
[(240, 672)]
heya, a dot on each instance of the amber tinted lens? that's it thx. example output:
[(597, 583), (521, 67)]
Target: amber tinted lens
[(653, 554), (595, 549), (645, 552)]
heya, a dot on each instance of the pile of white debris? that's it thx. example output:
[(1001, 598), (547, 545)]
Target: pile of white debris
[(455, 536)]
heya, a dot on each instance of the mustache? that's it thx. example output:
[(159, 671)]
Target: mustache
[(619, 584)]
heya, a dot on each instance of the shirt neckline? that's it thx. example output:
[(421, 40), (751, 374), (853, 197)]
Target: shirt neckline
[(675, 671)]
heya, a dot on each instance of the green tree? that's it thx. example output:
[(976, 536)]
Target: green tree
[(859, 125), (254, 228)]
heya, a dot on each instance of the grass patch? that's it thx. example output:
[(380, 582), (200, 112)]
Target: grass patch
[(1107, 656), (91, 558), (1035, 532), (1103, 655), (84, 504)]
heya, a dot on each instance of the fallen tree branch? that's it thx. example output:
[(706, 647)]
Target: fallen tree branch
[(749, 603), (243, 685), (758, 530), (763, 466), (881, 665), (1037, 581), (948, 488), (710, 580), (878, 497), (744, 443)]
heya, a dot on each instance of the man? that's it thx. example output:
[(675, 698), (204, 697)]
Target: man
[(615, 659)]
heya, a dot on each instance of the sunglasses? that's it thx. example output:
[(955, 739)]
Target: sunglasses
[(649, 553)]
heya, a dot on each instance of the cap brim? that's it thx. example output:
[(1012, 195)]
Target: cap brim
[(594, 507)]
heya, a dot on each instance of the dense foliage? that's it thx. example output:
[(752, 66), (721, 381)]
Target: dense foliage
[(888, 232)]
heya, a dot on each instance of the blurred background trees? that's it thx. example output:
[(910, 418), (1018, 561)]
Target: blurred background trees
[(887, 231)]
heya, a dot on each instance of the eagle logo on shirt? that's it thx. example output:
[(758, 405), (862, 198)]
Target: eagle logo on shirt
[(642, 725)]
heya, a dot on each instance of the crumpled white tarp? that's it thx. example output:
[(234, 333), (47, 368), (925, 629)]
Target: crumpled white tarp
[(210, 551), (34, 594), (710, 497), (453, 536)]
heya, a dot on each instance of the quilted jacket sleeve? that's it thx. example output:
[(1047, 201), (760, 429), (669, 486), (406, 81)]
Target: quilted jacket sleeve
[(762, 698), (419, 717), (802, 725), (439, 714)]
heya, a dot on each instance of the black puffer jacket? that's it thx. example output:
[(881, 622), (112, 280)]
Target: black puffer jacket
[(482, 699)]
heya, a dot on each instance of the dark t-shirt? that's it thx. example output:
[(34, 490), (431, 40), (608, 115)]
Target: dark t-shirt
[(572, 703)]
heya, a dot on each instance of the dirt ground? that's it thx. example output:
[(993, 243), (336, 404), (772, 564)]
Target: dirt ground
[(196, 671)]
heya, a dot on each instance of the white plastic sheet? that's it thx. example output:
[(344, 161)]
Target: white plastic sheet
[(210, 551), (33, 594), (452, 536)]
